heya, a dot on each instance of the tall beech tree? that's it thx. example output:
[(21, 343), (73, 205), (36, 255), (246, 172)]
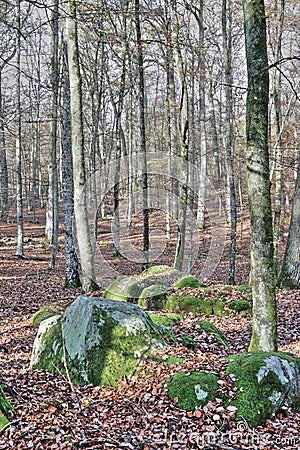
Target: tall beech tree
[(264, 328), (79, 176)]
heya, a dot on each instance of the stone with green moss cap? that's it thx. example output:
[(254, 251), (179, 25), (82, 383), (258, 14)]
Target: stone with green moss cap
[(152, 298), (189, 281), (193, 389), (96, 341), (265, 382)]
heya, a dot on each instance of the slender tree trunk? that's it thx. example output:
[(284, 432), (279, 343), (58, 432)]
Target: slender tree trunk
[(80, 204), (72, 274), (183, 133), (3, 162), (142, 136), (264, 329), (229, 138), (54, 80), (20, 243), (278, 150), (290, 271)]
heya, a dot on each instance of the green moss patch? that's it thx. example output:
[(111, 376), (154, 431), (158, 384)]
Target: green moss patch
[(211, 328), (45, 313), (240, 306), (196, 305), (193, 389), (161, 320), (188, 281), (265, 382)]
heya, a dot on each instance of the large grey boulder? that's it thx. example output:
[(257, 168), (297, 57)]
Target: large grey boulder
[(265, 383), (96, 341)]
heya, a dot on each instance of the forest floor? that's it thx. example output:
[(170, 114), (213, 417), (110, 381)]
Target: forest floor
[(49, 413)]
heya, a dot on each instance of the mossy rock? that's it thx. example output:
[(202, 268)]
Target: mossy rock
[(211, 328), (193, 389), (152, 298), (45, 313), (5, 407), (188, 281), (158, 270), (161, 320), (196, 305), (240, 306), (99, 341), (124, 289), (265, 383)]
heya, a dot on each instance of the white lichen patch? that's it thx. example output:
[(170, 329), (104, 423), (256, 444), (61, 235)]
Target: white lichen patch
[(275, 397), (200, 393), (286, 371)]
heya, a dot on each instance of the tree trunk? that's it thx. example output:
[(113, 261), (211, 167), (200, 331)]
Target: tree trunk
[(229, 137), (142, 136), (54, 80), (3, 163), (183, 133), (80, 205), (264, 329), (72, 274), (20, 243), (290, 270)]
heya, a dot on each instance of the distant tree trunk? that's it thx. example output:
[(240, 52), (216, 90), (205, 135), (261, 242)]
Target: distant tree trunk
[(229, 136), (54, 106), (72, 275), (142, 136), (20, 243), (80, 205), (264, 329), (278, 150), (3, 162), (290, 271), (183, 133)]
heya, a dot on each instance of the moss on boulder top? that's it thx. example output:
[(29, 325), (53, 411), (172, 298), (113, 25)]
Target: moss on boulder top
[(198, 304), (45, 313), (265, 383), (152, 298), (188, 281), (193, 389), (96, 341)]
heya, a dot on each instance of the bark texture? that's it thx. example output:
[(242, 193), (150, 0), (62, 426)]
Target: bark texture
[(264, 330)]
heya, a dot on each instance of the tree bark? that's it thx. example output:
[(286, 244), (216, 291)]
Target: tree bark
[(80, 205), (20, 243), (143, 147), (54, 80), (290, 271), (72, 274), (264, 329)]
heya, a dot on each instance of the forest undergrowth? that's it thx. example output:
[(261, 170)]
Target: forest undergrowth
[(49, 413)]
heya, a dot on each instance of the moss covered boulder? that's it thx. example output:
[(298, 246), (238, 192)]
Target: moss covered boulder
[(152, 298), (124, 289), (265, 382), (5, 407), (96, 341), (193, 389), (208, 306), (188, 281)]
